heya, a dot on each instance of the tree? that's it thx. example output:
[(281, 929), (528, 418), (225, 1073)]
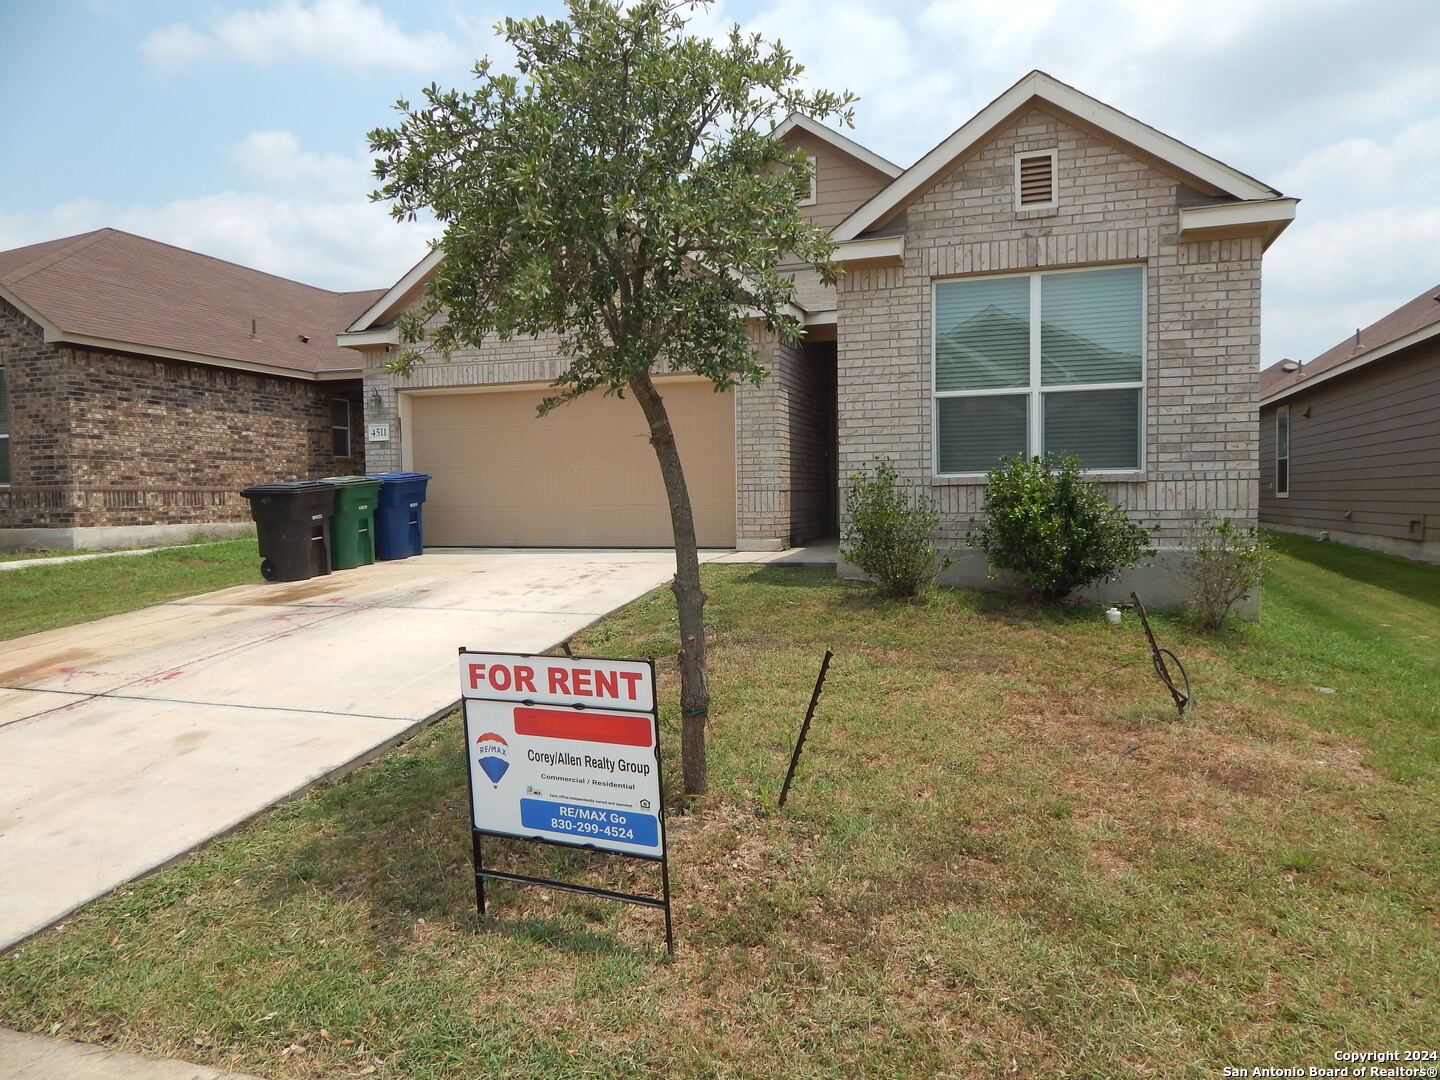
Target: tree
[(622, 191)]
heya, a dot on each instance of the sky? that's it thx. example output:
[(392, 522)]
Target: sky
[(238, 127)]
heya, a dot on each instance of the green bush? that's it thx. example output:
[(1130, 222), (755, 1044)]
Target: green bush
[(1225, 562), (889, 532), (1045, 521)]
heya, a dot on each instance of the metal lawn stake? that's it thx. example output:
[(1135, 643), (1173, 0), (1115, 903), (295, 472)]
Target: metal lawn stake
[(805, 727), (1157, 657)]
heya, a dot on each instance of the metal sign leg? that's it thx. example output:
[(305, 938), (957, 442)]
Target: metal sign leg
[(476, 857)]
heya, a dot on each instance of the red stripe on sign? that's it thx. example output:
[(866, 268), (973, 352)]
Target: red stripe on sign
[(634, 730)]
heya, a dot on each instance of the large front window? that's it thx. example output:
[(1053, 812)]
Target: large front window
[(1040, 363)]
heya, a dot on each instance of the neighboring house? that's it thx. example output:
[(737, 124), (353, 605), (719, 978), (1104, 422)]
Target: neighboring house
[(142, 386), (1350, 441), (1055, 275)]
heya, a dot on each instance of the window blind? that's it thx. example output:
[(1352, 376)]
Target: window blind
[(982, 334), (1100, 427), (1091, 326), (973, 433)]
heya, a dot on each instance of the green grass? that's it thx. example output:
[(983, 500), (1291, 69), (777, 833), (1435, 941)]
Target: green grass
[(1003, 855), (45, 597)]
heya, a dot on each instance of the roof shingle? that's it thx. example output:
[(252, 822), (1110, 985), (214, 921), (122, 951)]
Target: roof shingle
[(146, 295)]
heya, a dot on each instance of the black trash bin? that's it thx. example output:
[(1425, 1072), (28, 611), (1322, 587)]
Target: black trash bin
[(292, 520)]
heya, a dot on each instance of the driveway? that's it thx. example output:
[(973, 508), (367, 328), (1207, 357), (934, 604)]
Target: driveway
[(126, 742)]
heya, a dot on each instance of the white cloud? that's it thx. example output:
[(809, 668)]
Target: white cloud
[(277, 159), (1364, 251), (307, 217), (1403, 167), (861, 46), (1333, 272), (346, 33)]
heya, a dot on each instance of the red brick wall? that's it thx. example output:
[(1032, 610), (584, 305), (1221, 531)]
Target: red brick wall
[(100, 438)]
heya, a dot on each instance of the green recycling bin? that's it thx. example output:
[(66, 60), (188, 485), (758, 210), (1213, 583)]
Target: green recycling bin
[(352, 524)]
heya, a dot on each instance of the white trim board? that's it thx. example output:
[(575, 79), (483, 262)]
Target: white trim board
[(1038, 86), (417, 274), (797, 122)]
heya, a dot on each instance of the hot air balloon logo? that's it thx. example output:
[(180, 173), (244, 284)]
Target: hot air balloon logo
[(493, 754)]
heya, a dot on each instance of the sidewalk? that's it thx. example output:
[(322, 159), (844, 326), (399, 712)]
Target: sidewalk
[(34, 1057)]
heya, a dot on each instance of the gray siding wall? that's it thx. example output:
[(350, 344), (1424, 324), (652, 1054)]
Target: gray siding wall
[(841, 186), (841, 182), (1366, 461), (1202, 313)]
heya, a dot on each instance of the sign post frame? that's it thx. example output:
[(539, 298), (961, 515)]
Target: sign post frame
[(482, 872)]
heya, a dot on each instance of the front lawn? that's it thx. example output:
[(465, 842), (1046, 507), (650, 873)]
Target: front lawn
[(1003, 855), (39, 598)]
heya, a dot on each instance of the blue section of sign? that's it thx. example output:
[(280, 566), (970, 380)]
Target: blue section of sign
[(494, 767), (591, 824)]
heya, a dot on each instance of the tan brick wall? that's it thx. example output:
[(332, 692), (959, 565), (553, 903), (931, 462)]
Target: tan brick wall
[(107, 439), (784, 446), (764, 485), (1202, 311)]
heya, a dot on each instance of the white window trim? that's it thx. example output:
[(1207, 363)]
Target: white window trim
[(349, 423), (1035, 390), (1054, 155), (814, 183), (1282, 411)]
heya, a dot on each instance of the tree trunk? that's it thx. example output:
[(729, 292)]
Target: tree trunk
[(689, 597)]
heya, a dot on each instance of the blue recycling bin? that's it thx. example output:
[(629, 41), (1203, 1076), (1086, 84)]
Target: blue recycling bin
[(399, 532)]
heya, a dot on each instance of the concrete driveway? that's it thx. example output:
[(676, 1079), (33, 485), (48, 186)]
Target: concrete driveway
[(126, 742)]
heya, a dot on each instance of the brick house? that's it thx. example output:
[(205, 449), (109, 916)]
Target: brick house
[(142, 386), (1053, 275), (1350, 441)]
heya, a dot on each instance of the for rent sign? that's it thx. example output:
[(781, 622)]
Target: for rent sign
[(564, 749)]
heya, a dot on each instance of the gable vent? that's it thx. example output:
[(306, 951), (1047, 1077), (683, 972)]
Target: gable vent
[(1035, 180)]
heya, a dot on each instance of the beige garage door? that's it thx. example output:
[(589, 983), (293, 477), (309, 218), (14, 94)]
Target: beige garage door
[(583, 476)]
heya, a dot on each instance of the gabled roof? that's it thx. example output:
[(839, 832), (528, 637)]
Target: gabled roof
[(1407, 325), (371, 325), (388, 303), (1038, 87), (114, 290), (849, 147)]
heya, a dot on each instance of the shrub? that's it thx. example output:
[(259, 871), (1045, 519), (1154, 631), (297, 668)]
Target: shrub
[(1060, 531), (889, 532), (1225, 562)]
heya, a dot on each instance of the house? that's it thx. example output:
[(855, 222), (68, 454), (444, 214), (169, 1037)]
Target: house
[(1350, 441), (142, 386), (1053, 275)]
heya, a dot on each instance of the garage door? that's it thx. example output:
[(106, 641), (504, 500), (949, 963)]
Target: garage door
[(583, 476)]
